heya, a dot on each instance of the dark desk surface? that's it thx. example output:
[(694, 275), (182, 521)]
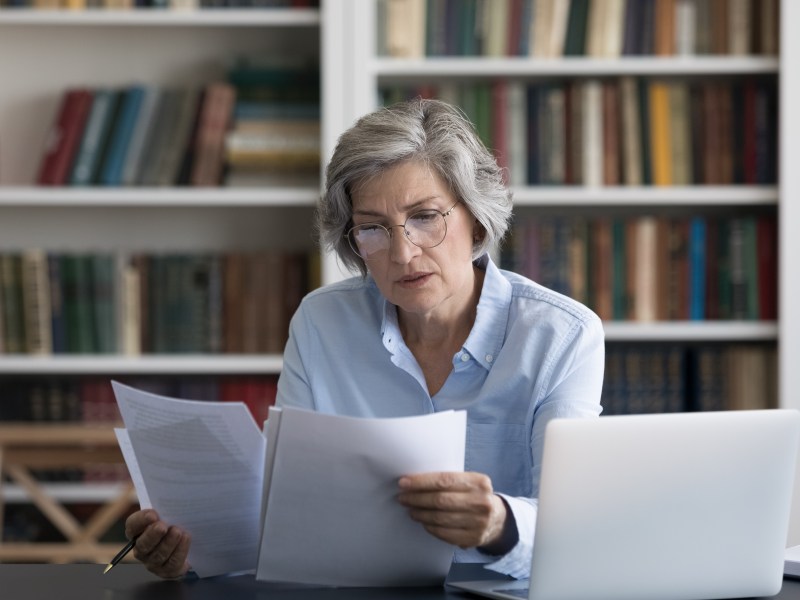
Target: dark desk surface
[(132, 582)]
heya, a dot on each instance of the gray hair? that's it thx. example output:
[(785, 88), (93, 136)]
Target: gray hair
[(432, 132)]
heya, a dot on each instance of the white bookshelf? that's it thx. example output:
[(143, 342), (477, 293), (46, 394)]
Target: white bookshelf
[(143, 197), (635, 196), (568, 67), (151, 364), (66, 493), (154, 17), (691, 331)]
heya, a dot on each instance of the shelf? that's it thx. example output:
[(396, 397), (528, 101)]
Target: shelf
[(642, 197), (68, 492), (236, 364), (163, 17), (159, 197), (569, 67), (691, 331)]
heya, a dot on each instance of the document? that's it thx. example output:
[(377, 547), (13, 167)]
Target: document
[(331, 514), (310, 499), (201, 464)]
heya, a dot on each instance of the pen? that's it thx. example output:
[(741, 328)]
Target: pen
[(120, 555)]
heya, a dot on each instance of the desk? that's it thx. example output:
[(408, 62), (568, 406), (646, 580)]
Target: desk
[(133, 582)]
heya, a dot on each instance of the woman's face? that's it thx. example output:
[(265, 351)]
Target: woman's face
[(428, 282)]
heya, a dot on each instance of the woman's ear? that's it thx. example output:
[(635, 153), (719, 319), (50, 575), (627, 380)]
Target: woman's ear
[(478, 232)]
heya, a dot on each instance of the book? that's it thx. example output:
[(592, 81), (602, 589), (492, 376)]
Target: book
[(179, 137), (660, 139), (64, 138), (158, 139), (575, 39), (680, 133), (11, 302), (143, 130), (631, 133), (113, 163), (36, 302), (664, 34), (685, 27), (592, 127), (405, 28), (611, 133), (95, 135), (214, 121)]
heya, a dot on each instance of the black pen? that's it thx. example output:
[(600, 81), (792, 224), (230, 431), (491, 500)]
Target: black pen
[(120, 555)]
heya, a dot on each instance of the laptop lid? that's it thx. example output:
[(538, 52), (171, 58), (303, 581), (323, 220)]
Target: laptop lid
[(678, 506)]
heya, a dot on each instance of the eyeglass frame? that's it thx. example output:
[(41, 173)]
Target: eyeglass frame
[(388, 230)]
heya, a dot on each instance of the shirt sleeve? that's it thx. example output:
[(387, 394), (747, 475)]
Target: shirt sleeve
[(574, 385), (517, 562)]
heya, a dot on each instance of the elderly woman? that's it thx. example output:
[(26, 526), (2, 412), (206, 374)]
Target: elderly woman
[(414, 202)]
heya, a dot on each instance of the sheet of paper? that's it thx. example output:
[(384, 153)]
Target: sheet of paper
[(125, 447), (333, 517), (202, 464)]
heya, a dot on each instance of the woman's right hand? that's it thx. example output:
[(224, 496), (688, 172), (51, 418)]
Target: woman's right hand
[(162, 548)]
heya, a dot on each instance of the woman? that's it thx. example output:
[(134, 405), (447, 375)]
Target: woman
[(414, 202)]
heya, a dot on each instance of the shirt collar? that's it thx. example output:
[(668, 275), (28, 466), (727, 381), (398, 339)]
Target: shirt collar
[(489, 331), (486, 338)]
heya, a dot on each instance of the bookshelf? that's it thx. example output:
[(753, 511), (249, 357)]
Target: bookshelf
[(45, 52)]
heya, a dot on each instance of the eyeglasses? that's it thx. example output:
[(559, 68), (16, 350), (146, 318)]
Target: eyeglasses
[(426, 229)]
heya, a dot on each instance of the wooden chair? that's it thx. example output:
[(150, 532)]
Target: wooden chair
[(24, 447)]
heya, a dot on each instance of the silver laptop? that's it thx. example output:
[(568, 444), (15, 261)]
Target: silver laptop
[(677, 506)]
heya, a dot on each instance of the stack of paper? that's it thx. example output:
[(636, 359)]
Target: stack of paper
[(313, 502)]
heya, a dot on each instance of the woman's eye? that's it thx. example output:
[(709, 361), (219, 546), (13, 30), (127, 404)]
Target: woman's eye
[(424, 217)]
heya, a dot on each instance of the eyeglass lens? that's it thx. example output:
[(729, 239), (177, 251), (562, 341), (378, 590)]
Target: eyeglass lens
[(425, 229)]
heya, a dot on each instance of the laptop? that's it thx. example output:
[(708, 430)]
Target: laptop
[(669, 506)]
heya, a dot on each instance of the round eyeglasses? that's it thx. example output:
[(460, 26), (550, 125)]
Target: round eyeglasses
[(426, 229)]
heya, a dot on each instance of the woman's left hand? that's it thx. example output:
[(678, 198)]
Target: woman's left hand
[(459, 508)]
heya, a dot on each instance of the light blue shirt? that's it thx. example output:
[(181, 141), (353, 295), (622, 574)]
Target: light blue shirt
[(532, 355)]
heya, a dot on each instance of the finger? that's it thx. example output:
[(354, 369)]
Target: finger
[(434, 500), (137, 522), (446, 481), (432, 482), (158, 554), (149, 539), (438, 518), (176, 564)]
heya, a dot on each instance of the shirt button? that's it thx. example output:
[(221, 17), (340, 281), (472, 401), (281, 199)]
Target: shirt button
[(464, 357), (489, 358)]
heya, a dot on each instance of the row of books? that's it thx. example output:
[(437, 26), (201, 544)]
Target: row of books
[(621, 131), (155, 4), (104, 303), (596, 28), (673, 378), (90, 401), (142, 135), (653, 268)]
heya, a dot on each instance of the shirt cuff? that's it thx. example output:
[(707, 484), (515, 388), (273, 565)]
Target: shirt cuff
[(517, 561)]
